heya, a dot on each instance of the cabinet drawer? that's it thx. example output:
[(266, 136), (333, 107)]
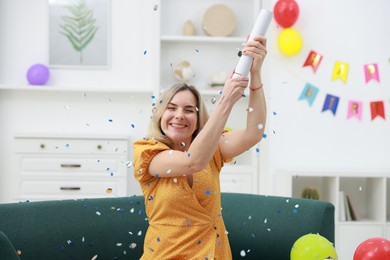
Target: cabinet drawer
[(70, 146), (68, 164), (66, 189)]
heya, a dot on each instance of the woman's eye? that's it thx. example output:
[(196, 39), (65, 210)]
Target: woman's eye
[(189, 111), (170, 108)]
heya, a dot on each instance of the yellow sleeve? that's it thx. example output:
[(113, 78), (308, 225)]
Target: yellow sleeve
[(143, 153)]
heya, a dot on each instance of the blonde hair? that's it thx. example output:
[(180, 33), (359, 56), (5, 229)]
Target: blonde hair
[(155, 131)]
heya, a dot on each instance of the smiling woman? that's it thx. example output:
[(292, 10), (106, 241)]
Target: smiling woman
[(178, 165)]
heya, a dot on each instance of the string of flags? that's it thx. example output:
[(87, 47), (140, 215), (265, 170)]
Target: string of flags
[(340, 71)]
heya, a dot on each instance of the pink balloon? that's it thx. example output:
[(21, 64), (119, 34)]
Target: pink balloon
[(375, 248)]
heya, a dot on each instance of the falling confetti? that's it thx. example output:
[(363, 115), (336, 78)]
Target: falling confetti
[(129, 164), (197, 50), (257, 150), (140, 233), (249, 109), (132, 125), (183, 144), (242, 253), (110, 120), (94, 257), (145, 52), (260, 126), (169, 171), (132, 245), (175, 180), (264, 136), (213, 100), (155, 7), (98, 213), (207, 192), (109, 190)]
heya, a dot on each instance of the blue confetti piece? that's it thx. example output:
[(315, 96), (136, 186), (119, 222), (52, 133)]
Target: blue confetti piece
[(199, 242), (153, 97), (264, 136), (110, 120), (132, 125), (295, 210), (158, 239), (274, 113), (188, 155), (197, 50), (257, 150), (145, 52), (207, 192), (140, 212)]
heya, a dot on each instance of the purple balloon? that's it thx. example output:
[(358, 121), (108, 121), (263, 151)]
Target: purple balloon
[(38, 74)]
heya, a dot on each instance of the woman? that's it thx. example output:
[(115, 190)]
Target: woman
[(178, 165)]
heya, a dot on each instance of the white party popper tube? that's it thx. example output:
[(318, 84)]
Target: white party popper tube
[(260, 28)]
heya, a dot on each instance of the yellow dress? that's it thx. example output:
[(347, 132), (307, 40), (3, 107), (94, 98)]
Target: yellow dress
[(184, 222)]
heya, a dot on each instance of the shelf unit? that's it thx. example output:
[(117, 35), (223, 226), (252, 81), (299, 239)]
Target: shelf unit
[(204, 53), (209, 55), (369, 192)]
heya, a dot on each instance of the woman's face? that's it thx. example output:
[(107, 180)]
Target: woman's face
[(179, 120)]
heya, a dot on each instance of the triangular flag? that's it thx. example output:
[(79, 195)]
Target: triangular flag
[(377, 109), (371, 72), (313, 59), (309, 93), (331, 103), (355, 109), (340, 71)]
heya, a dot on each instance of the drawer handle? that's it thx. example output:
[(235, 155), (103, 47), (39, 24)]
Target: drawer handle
[(70, 188), (70, 165)]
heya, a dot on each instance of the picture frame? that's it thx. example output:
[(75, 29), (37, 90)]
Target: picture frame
[(79, 34)]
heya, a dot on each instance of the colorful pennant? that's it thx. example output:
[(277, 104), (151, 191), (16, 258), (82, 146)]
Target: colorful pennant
[(377, 109), (355, 108), (331, 103), (309, 93), (313, 59), (340, 71), (371, 72)]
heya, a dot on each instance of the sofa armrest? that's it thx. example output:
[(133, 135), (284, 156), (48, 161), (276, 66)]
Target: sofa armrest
[(266, 227), (7, 251)]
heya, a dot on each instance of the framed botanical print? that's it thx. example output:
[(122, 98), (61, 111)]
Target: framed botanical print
[(79, 33)]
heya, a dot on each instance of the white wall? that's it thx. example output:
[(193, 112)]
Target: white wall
[(355, 32)]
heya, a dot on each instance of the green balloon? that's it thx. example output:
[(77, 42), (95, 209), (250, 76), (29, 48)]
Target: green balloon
[(312, 247)]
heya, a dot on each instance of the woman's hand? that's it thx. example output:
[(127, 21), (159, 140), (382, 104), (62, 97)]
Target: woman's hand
[(257, 50), (234, 87)]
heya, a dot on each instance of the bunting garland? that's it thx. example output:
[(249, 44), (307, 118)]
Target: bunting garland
[(340, 71)]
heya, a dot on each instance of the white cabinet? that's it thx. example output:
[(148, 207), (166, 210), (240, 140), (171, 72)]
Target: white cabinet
[(209, 55), (369, 194), (64, 167)]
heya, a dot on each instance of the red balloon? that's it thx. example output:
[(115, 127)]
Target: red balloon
[(375, 248), (286, 12)]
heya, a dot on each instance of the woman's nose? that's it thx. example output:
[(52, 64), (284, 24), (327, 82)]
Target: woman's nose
[(179, 115)]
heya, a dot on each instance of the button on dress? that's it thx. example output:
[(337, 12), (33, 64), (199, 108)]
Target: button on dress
[(184, 222)]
